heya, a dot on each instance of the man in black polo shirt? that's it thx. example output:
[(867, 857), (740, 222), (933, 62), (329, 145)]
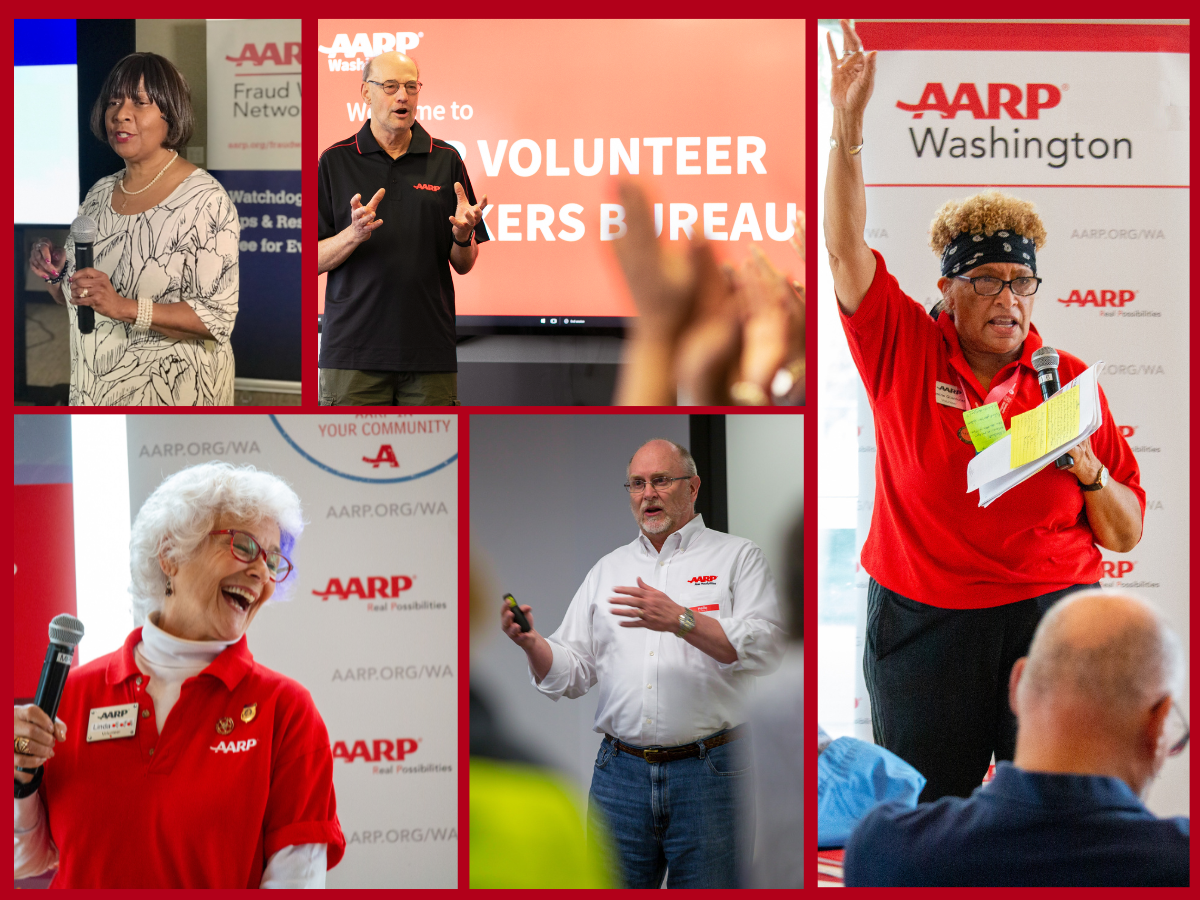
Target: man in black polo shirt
[(388, 337)]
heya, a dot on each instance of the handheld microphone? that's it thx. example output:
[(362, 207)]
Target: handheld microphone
[(83, 233), (516, 611), (1045, 362), (66, 632)]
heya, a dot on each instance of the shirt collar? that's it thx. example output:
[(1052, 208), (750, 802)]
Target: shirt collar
[(1055, 790), (421, 141), (230, 666), (1033, 342), (679, 540)]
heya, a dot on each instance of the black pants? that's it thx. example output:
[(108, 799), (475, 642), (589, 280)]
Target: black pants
[(938, 682)]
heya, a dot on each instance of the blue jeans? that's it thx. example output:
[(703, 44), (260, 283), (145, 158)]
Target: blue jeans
[(678, 817)]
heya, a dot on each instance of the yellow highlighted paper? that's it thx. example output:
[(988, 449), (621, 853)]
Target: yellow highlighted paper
[(1037, 432), (985, 425)]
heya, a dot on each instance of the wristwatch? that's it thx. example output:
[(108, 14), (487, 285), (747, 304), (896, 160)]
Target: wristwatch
[(466, 243), (1100, 482), (687, 621)]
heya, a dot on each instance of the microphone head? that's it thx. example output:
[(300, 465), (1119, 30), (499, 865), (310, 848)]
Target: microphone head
[(66, 630), (1045, 358), (83, 230)]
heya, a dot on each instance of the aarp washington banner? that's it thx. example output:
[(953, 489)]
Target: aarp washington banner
[(368, 625), (1090, 122), (254, 151)]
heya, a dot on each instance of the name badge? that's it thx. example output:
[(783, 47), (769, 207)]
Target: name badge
[(949, 395), (706, 608), (108, 722)]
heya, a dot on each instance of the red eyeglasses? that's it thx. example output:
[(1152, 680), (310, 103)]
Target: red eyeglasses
[(244, 547)]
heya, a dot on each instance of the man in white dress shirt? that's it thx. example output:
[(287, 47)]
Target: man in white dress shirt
[(672, 627)]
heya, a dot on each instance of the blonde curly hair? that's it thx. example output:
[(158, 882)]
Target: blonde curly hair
[(987, 212)]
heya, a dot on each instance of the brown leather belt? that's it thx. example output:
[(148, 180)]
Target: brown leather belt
[(684, 751)]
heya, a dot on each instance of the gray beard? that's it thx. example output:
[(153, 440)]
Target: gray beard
[(663, 524)]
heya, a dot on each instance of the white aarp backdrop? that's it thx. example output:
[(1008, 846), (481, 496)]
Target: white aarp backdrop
[(1098, 140), (368, 624)]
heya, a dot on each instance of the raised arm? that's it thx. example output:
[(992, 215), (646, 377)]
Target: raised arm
[(850, 259), (334, 251)]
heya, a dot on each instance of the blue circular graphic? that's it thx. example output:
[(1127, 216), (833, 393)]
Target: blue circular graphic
[(320, 465)]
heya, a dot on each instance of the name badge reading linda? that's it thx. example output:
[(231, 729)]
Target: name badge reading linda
[(949, 395), (108, 722)]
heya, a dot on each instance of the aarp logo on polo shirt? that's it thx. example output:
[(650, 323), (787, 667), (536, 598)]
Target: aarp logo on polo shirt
[(367, 46), (703, 579), (234, 746)]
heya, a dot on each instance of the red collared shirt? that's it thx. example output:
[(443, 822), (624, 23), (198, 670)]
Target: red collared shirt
[(191, 807), (929, 539)]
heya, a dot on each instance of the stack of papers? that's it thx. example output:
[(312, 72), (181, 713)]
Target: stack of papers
[(1037, 438)]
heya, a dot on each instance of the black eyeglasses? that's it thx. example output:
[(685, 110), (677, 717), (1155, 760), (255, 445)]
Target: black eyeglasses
[(245, 548), (987, 286), (1178, 725), (412, 88), (660, 482)]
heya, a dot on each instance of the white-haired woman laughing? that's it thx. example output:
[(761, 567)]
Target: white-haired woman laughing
[(178, 761)]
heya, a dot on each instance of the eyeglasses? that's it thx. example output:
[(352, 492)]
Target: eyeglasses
[(987, 286), (244, 547), (660, 482), (1177, 725), (390, 87)]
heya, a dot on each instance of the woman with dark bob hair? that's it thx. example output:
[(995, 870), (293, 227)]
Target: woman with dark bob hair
[(222, 774), (164, 286)]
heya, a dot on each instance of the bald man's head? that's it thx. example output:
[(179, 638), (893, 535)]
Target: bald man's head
[(393, 58), (1111, 651)]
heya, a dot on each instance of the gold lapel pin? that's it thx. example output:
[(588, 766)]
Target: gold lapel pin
[(249, 712), (225, 725)]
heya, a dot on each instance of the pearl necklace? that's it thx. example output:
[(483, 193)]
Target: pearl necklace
[(129, 193)]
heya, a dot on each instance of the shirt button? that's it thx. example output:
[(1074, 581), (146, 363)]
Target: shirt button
[(649, 721), (151, 751), (145, 713), (138, 680), (649, 687), (651, 652)]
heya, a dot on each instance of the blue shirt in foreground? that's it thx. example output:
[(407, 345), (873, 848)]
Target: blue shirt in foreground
[(1022, 828)]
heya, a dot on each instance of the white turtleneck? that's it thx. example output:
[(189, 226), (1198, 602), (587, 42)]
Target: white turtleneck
[(169, 661)]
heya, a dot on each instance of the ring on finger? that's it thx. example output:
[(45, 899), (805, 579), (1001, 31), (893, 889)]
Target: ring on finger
[(83, 294), (21, 744)]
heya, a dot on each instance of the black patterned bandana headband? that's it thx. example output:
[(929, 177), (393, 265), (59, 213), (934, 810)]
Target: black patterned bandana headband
[(967, 251)]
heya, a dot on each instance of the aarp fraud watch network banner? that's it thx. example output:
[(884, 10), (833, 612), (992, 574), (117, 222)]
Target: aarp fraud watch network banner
[(254, 151)]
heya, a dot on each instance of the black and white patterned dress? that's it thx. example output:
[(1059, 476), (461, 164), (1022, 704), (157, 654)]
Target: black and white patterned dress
[(183, 249)]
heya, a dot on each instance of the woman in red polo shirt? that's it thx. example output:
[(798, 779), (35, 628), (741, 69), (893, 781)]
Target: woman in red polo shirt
[(956, 590), (222, 774)]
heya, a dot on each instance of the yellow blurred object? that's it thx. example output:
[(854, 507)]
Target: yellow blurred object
[(527, 831)]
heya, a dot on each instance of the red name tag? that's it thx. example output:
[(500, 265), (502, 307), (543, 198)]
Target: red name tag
[(708, 607)]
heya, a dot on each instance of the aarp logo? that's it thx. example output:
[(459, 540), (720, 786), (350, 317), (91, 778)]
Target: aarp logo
[(270, 53), (1098, 298), (1000, 96), (373, 44)]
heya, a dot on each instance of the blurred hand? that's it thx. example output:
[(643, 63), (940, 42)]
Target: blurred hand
[(32, 724), (852, 78), (662, 284), (769, 304), (707, 356)]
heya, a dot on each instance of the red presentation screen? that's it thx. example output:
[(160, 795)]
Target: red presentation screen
[(707, 115)]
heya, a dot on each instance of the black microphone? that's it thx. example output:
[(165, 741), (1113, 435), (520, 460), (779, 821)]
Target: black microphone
[(83, 233), (1045, 362), (66, 632)]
